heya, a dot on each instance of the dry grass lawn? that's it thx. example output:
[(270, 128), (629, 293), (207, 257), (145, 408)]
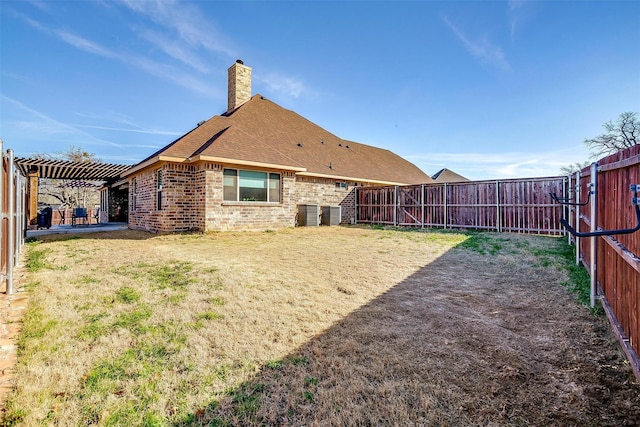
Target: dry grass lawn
[(312, 326)]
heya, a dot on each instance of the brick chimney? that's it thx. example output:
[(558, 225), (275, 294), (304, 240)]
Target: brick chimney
[(239, 85)]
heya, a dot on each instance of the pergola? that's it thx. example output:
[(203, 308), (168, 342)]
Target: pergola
[(63, 169)]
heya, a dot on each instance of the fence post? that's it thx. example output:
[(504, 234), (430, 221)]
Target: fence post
[(594, 227), (395, 206), (21, 214), (568, 208), (577, 210), (498, 216), (12, 225), (566, 193), (355, 205), (3, 277), (445, 206), (422, 206)]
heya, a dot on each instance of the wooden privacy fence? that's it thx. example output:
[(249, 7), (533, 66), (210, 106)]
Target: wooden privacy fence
[(514, 205), (602, 221), (13, 195)]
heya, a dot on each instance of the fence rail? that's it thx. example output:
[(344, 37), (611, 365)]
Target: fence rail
[(515, 205), (13, 195)]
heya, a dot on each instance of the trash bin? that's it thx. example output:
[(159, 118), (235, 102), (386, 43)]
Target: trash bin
[(44, 218)]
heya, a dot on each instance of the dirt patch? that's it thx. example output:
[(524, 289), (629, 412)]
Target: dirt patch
[(314, 326)]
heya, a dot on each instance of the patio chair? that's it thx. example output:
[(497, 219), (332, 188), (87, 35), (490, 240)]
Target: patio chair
[(79, 213), (96, 216)]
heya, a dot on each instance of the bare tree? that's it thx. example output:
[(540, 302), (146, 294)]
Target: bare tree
[(621, 134), (573, 168)]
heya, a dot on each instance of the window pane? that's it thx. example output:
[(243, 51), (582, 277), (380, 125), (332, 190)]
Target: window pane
[(229, 185), (274, 187), (251, 179), (253, 186)]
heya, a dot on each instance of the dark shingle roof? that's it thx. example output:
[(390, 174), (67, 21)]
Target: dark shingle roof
[(261, 131)]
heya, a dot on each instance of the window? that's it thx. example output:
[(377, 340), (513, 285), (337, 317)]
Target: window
[(134, 193), (341, 186), (274, 187), (250, 186), (159, 190)]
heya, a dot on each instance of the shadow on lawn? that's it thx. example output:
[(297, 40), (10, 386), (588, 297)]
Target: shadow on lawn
[(96, 234), (466, 340)]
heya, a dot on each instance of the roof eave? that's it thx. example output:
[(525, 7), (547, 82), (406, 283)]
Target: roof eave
[(247, 163), (351, 178), (151, 162)]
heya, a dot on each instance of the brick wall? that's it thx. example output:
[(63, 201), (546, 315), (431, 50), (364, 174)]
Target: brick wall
[(177, 211), (192, 200)]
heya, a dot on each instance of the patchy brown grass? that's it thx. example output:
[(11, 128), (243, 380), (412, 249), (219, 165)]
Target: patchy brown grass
[(313, 326)]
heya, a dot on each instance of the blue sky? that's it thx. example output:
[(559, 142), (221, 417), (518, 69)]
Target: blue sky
[(489, 89)]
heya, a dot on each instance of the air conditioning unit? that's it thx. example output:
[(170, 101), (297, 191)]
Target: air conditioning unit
[(308, 215), (331, 215)]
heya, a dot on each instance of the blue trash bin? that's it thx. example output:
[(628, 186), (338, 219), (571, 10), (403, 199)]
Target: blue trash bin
[(44, 218)]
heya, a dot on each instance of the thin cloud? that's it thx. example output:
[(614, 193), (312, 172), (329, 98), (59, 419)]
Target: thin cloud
[(42, 5), (167, 72), (145, 131), (515, 14), (483, 50), (283, 85), (163, 71), (125, 124), (174, 49), (71, 39), (185, 20), (86, 45), (41, 125)]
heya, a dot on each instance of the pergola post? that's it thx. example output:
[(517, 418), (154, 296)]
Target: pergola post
[(33, 197)]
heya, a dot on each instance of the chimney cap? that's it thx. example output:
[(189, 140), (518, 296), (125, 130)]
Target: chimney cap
[(239, 61)]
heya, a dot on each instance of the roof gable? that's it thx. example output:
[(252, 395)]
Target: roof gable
[(446, 175)]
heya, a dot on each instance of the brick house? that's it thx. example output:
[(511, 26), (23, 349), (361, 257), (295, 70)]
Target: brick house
[(252, 167)]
